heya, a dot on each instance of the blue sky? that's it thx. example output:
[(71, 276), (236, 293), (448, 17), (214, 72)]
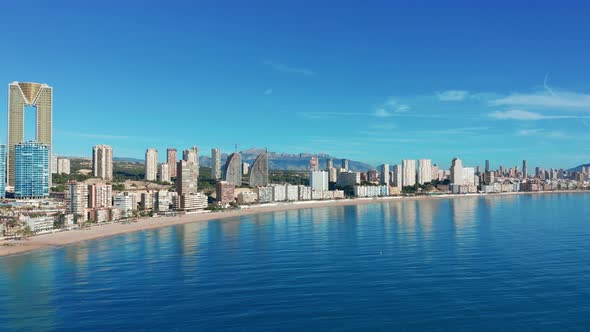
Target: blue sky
[(376, 81)]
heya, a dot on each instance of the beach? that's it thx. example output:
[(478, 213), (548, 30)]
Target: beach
[(61, 238)]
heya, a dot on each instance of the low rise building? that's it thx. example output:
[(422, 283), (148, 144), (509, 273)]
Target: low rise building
[(224, 192), (264, 194), (279, 193), (247, 197)]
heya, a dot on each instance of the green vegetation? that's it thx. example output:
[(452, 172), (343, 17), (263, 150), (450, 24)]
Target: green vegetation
[(289, 177), (65, 178), (128, 171)]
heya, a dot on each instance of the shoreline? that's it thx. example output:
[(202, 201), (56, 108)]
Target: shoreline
[(58, 239)]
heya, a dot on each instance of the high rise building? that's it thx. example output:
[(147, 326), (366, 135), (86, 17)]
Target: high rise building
[(318, 180), (329, 163), (384, 174), (457, 172), (2, 170), (259, 171), (224, 192), (31, 170), (189, 155), (524, 169), (232, 170), (53, 163), (314, 164), (245, 168), (187, 177), (63, 166), (487, 168), (151, 164), (469, 176), (397, 176), (164, 173), (434, 172), (102, 162), (20, 95), (408, 173), (171, 159), (216, 163), (424, 171), (100, 195), (345, 164), (77, 200)]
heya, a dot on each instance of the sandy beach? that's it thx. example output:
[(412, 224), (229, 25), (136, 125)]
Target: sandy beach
[(13, 247)]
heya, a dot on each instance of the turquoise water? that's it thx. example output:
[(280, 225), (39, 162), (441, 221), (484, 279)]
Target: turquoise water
[(472, 263)]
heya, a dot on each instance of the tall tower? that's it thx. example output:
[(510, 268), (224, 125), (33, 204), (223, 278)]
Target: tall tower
[(21, 94), (102, 162), (216, 163), (151, 164), (171, 158), (384, 174), (457, 177), (424, 171), (524, 169), (408, 173)]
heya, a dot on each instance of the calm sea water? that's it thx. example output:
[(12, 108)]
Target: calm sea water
[(466, 264)]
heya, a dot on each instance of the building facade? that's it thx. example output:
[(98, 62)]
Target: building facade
[(151, 164), (100, 195), (20, 95), (424, 171), (102, 162), (171, 159), (408, 173), (31, 170), (187, 178), (259, 171), (216, 163), (232, 170)]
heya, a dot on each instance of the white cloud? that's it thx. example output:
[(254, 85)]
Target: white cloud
[(289, 69), (383, 113), (526, 115), (452, 95), (562, 99), (543, 133)]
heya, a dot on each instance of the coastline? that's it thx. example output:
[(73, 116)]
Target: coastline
[(15, 247)]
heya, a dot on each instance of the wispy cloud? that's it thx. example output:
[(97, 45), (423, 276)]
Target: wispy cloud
[(267, 92), (543, 99), (544, 133), (526, 115), (281, 67), (452, 95), (390, 108), (102, 136)]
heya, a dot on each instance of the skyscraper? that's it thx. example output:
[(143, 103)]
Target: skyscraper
[(187, 177), (102, 162), (171, 159), (408, 173), (2, 170), (424, 171), (189, 155), (63, 166), (329, 163), (216, 163), (314, 164), (259, 171), (345, 164), (31, 170), (164, 172), (487, 168), (318, 180), (384, 174), (100, 195), (457, 172), (77, 200), (232, 170), (21, 94), (524, 169), (397, 176), (151, 164)]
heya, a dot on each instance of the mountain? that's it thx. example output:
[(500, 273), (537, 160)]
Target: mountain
[(578, 168), (287, 161)]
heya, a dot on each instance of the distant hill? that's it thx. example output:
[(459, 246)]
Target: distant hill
[(286, 161), (578, 168), (128, 160)]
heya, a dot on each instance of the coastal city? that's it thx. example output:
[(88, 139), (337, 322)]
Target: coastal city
[(45, 193)]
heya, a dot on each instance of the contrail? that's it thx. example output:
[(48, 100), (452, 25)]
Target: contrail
[(547, 86)]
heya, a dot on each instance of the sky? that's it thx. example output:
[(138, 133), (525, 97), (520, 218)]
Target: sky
[(374, 81)]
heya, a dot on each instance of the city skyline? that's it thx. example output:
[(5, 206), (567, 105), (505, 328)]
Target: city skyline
[(487, 97)]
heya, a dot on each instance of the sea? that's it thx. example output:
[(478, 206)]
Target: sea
[(479, 263)]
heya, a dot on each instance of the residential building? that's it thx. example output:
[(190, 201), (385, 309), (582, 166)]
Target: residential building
[(163, 199), (232, 170), (408, 173), (247, 197), (224, 192), (147, 201), (259, 171), (189, 155), (192, 202), (53, 164), (345, 164), (457, 177), (329, 163), (348, 179), (524, 170), (63, 166), (77, 200), (424, 171), (171, 159), (102, 162), (187, 177), (31, 170), (21, 95), (397, 176), (2, 170), (165, 173), (384, 174), (245, 168), (469, 176), (151, 164), (216, 163), (318, 180), (125, 202), (100, 195)]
